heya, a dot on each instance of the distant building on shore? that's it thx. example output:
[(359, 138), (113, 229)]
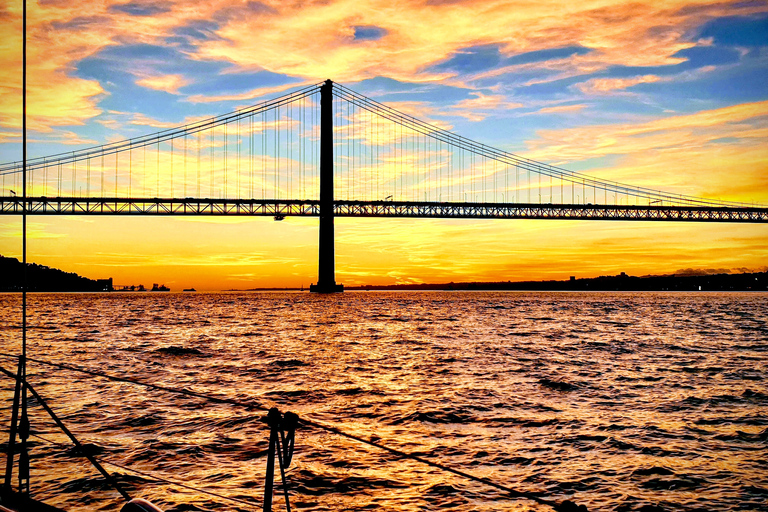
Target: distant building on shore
[(105, 284)]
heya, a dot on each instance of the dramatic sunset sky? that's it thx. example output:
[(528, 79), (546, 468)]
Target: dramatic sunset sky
[(672, 95)]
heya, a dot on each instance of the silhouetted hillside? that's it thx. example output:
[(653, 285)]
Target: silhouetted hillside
[(45, 279), (757, 281)]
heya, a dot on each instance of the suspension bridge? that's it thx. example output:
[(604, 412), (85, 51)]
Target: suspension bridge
[(327, 151)]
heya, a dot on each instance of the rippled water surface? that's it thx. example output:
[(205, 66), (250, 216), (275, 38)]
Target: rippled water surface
[(618, 401)]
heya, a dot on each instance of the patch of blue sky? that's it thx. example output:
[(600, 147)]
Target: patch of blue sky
[(124, 95), (624, 107), (11, 152), (369, 33), (471, 60), (722, 87), (545, 55), (519, 78), (118, 68), (386, 90), (553, 89), (525, 127), (188, 36), (241, 10), (591, 167), (476, 59), (702, 56), (695, 58), (508, 135), (216, 83), (140, 8), (380, 84), (742, 31), (726, 140), (127, 58)]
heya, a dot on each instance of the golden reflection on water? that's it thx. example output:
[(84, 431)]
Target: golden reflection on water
[(615, 401)]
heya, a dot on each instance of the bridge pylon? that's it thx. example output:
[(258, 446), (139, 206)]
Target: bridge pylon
[(326, 275)]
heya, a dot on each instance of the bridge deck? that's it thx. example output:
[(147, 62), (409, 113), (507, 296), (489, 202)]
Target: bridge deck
[(440, 210)]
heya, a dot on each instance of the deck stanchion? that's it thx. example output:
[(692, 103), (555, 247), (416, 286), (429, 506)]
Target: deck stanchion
[(14, 425)]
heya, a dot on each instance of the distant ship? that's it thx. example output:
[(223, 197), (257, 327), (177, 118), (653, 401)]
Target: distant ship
[(189, 290), (161, 288)]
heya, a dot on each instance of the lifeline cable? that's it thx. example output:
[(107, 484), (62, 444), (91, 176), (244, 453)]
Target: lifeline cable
[(148, 385), (565, 506)]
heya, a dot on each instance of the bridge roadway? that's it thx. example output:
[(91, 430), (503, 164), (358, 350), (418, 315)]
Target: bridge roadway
[(441, 210)]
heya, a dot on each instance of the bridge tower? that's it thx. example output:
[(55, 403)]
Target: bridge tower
[(326, 275)]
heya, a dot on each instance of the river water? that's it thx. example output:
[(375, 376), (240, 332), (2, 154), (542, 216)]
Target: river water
[(617, 401)]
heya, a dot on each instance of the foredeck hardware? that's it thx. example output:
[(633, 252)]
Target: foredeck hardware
[(20, 427), (282, 429), (7, 485)]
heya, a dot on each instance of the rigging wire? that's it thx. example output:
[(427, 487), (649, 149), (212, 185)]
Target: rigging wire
[(23, 424)]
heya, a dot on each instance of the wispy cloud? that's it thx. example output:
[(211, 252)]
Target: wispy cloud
[(559, 109), (409, 39), (168, 83), (482, 105), (609, 85)]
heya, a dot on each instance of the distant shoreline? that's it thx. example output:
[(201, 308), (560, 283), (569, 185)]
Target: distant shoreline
[(46, 279), (755, 281)]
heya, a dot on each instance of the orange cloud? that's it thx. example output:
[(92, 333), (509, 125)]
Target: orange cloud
[(608, 85), (316, 41), (54, 98), (418, 34)]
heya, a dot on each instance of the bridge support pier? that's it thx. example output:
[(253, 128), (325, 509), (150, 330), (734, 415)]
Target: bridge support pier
[(326, 278)]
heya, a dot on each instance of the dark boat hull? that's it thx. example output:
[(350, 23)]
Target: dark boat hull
[(15, 502)]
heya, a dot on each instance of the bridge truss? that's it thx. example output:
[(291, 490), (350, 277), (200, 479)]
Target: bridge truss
[(297, 207)]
